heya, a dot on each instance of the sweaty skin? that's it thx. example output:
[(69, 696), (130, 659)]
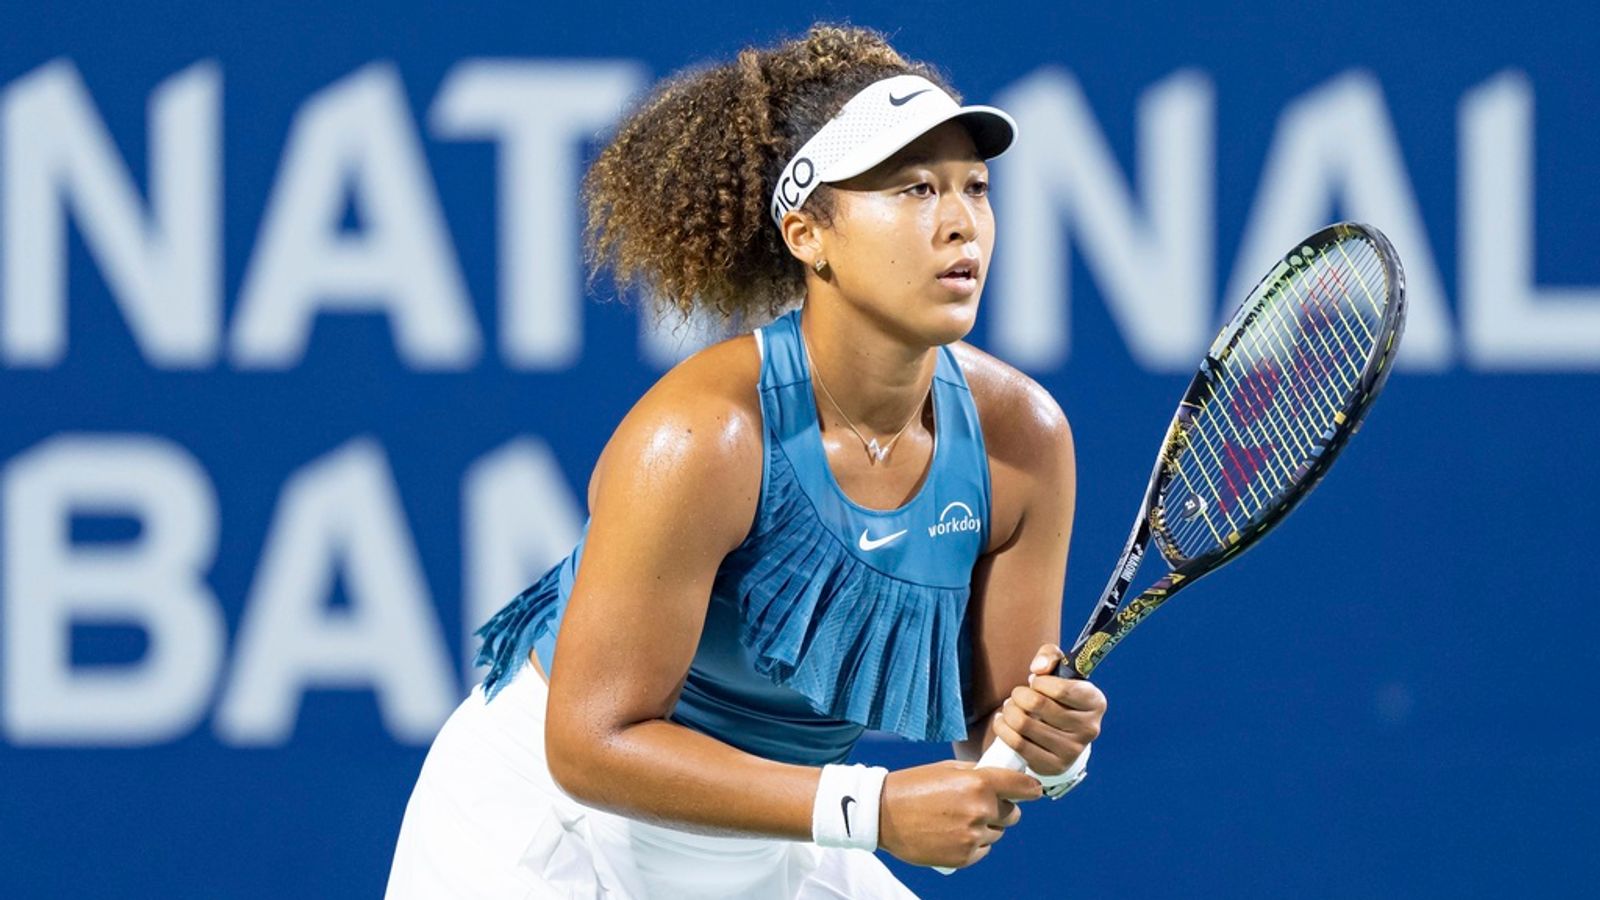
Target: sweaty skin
[(676, 488)]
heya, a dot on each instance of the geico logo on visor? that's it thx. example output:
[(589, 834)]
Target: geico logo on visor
[(873, 125)]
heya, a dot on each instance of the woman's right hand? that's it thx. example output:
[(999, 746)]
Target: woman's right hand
[(949, 813)]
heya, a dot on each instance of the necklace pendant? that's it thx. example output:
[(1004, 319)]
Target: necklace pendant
[(876, 451)]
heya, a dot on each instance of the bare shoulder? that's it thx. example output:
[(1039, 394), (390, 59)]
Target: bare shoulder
[(723, 379), (695, 433), (1023, 426)]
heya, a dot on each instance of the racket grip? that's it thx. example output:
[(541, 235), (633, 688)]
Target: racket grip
[(1001, 756)]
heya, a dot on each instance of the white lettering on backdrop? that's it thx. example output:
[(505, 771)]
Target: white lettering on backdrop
[(1338, 146), (538, 113), (355, 138), (162, 262), (339, 517), (1508, 320), (1060, 186), (356, 144), (1149, 248), (155, 581)]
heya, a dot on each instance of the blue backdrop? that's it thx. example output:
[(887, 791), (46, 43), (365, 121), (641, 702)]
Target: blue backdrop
[(301, 380)]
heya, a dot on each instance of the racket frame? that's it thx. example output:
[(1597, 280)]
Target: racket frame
[(1111, 621)]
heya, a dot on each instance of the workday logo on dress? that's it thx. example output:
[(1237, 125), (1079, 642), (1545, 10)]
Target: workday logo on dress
[(956, 517)]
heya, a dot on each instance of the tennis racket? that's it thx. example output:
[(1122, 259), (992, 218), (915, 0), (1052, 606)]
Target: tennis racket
[(1278, 395)]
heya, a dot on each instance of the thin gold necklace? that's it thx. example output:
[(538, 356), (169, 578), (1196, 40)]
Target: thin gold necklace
[(876, 452)]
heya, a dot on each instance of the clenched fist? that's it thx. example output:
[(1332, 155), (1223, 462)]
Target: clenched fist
[(1049, 720), (949, 813)]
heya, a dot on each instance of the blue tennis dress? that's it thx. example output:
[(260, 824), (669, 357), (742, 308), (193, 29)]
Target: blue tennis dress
[(830, 618)]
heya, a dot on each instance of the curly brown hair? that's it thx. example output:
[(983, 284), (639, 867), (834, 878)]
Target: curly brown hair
[(677, 202)]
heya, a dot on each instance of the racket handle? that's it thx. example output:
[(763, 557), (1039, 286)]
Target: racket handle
[(1001, 756)]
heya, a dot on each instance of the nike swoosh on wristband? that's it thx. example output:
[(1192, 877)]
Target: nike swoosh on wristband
[(845, 805), (871, 544), (902, 101)]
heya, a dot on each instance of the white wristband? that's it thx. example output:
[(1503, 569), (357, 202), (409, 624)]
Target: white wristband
[(845, 812), (1056, 785)]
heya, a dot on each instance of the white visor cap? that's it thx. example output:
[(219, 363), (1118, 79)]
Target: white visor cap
[(884, 117)]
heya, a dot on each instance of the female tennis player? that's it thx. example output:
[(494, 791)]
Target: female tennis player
[(845, 520)]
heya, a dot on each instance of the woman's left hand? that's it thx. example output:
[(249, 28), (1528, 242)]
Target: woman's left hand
[(1049, 720)]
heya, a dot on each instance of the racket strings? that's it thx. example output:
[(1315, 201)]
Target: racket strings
[(1314, 313), (1259, 394), (1252, 394), (1255, 391), (1279, 394), (1341, 363)]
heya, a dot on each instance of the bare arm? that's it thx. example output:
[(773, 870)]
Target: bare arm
[(1017, 586), (675, 491)]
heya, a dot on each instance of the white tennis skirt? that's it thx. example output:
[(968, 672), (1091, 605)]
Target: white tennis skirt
[(486, 820)]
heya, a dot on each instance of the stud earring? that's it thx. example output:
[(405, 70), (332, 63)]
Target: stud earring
[(820, 266)]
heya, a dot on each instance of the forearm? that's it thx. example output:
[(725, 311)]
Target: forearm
[(666, 773), (980, 732)]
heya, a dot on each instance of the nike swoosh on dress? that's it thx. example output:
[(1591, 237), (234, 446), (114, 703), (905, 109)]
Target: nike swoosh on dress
[(871, 544)]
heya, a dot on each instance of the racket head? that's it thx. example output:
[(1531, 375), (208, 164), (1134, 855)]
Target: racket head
[(1283, 387)]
